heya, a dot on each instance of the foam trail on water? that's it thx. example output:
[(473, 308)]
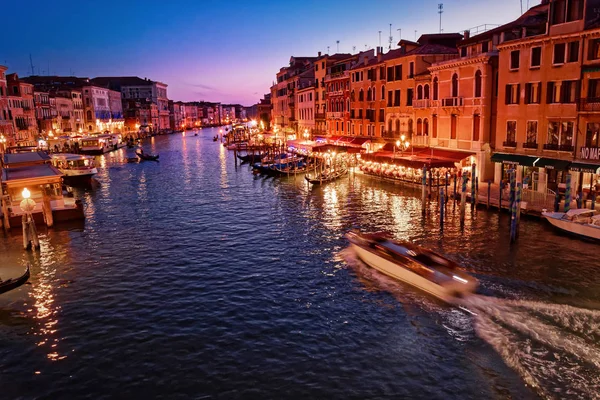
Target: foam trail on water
[(554, 348), (547, 344)]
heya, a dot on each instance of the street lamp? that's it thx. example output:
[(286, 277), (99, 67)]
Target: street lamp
[(2, 143), (306, 135), (29, 231)]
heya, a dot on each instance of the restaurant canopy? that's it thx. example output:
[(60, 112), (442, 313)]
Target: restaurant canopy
[(585, 167)]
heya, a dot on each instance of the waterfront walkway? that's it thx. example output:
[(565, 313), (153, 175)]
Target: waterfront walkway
[(533, 202)]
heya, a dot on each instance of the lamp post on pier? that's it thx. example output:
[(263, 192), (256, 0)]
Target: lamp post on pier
[(29, 232)]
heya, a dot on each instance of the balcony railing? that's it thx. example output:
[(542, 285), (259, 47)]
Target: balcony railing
[(509, 143), (420, 140), (334, 114), (335, 93), (530, 145), (421, 103), (591, 104), (558, 147), (320, 116), (452, 102)]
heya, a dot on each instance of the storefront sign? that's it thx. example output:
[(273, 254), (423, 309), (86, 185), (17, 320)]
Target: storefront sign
[(589, 153), (592, 13)]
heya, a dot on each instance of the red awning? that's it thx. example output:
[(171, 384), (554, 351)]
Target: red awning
[(359, 141)]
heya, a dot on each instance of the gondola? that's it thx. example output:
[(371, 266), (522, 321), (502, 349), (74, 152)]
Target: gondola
[(215, 138), (147, 157), (326, 176), (13, 283), (251, 157)]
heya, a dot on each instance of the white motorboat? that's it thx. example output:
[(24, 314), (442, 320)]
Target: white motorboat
[(414, 265), (75, 167), (580, 221)]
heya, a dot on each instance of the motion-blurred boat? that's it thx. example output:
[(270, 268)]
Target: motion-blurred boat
[(414, 265)]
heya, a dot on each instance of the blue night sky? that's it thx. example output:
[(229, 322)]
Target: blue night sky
[(226, 51)]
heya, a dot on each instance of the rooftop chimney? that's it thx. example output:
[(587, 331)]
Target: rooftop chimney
[(379, 53), (319, 54), (466, 35)]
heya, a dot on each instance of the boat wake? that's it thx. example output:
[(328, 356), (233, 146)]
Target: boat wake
[(554, 348)]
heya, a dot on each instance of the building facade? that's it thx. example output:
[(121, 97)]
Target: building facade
[(6, 124), (22, 110)]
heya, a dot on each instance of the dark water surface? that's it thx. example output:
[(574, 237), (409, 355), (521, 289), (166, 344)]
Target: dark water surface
[(192, 278)]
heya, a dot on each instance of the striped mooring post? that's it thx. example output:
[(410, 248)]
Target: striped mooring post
[(473, 180), (568, 193), (423, 188), (463, 197)]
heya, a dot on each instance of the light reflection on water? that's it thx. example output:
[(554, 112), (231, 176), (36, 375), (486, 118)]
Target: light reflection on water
[(193, 277)]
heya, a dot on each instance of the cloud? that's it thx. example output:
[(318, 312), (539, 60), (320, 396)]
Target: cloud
[(202, 86)]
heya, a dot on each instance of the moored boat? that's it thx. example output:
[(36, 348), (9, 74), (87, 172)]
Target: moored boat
[(13, 283), (147, 157), (419, 267), (76, 168), (327, 176), (579, 221)]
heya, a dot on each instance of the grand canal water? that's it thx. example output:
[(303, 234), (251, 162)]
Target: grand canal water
[(192, 278)]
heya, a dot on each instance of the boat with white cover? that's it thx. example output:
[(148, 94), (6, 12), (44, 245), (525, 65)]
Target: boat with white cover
[(579, 221), (419, 267), (75, 167)]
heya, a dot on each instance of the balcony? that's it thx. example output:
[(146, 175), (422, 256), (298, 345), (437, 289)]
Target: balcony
[(421, 103), (336, 75), (335, 93), (589, 104), (420, 141), (530, 145), (452, 102), (335, 115), (559, 147), (509, 143), (320, 116)]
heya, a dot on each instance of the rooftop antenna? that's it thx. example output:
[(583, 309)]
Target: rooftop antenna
[(353, 49), (327, 50), (31, 63), (521, 7), (440, 11), (399, 34), (415, 35), (337, 42), (391, 39)]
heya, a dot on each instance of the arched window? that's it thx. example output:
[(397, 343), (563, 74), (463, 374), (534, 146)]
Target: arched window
[(410, 127), (348, 105), (361, 95), (352, 96), (478, 84), (455, 85), (419, 127), (426, 92), (89, 115), (435, 88), (383, 92), (397, 127), (369, 98), (419, 92), (425, 127), (390, 124)]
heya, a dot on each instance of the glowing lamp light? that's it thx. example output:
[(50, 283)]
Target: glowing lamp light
[(402, 138), (398, 143), (26, 193)]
